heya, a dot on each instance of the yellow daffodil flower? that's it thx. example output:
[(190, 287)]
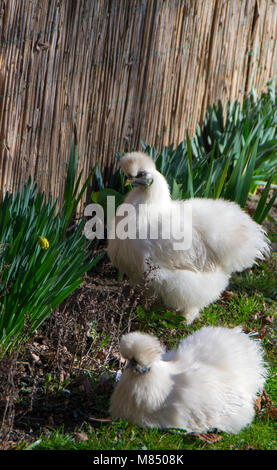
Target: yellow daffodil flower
[(43, 243)]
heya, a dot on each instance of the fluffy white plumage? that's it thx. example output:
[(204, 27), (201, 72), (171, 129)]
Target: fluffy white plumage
[(211, 381), (225, 239)]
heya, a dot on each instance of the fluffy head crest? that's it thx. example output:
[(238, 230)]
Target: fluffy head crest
[(134, 162), (145, 349)]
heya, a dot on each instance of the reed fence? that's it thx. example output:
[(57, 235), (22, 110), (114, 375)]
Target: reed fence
[(118, 71)]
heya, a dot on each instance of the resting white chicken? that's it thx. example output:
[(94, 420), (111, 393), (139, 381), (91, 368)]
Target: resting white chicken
[(219, 238), (210, 381)]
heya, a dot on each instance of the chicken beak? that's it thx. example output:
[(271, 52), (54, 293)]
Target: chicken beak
[(139, 181), (142, 369)]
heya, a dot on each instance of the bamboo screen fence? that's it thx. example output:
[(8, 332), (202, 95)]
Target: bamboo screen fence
[(118, 71)]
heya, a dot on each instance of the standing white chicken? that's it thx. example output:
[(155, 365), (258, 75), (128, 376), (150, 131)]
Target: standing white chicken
[(210, 381), (224, 239)]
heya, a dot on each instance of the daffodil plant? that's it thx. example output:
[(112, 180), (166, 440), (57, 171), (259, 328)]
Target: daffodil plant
[(40, 263)]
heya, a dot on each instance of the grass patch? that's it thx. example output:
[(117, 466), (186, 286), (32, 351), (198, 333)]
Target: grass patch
[(122, 436)]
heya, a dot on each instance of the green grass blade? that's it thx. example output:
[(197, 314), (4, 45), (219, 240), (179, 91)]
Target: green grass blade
[(190, 172)]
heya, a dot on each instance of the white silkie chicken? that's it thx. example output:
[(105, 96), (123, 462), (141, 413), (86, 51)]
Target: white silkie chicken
[(210, 382), (219, 238)]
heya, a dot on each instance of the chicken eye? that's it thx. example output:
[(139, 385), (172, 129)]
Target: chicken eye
[(141, 174)]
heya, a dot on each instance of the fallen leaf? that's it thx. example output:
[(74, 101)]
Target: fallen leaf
[(210, 438), (81, 436), (258, 403), (268, 319), (35, 357), (227, 294), (101, 420), (100, 356), (262, 333), (271, 408)]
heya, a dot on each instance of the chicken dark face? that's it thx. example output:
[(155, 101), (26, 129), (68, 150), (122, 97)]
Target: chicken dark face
[(137, 368), (143, 178)]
